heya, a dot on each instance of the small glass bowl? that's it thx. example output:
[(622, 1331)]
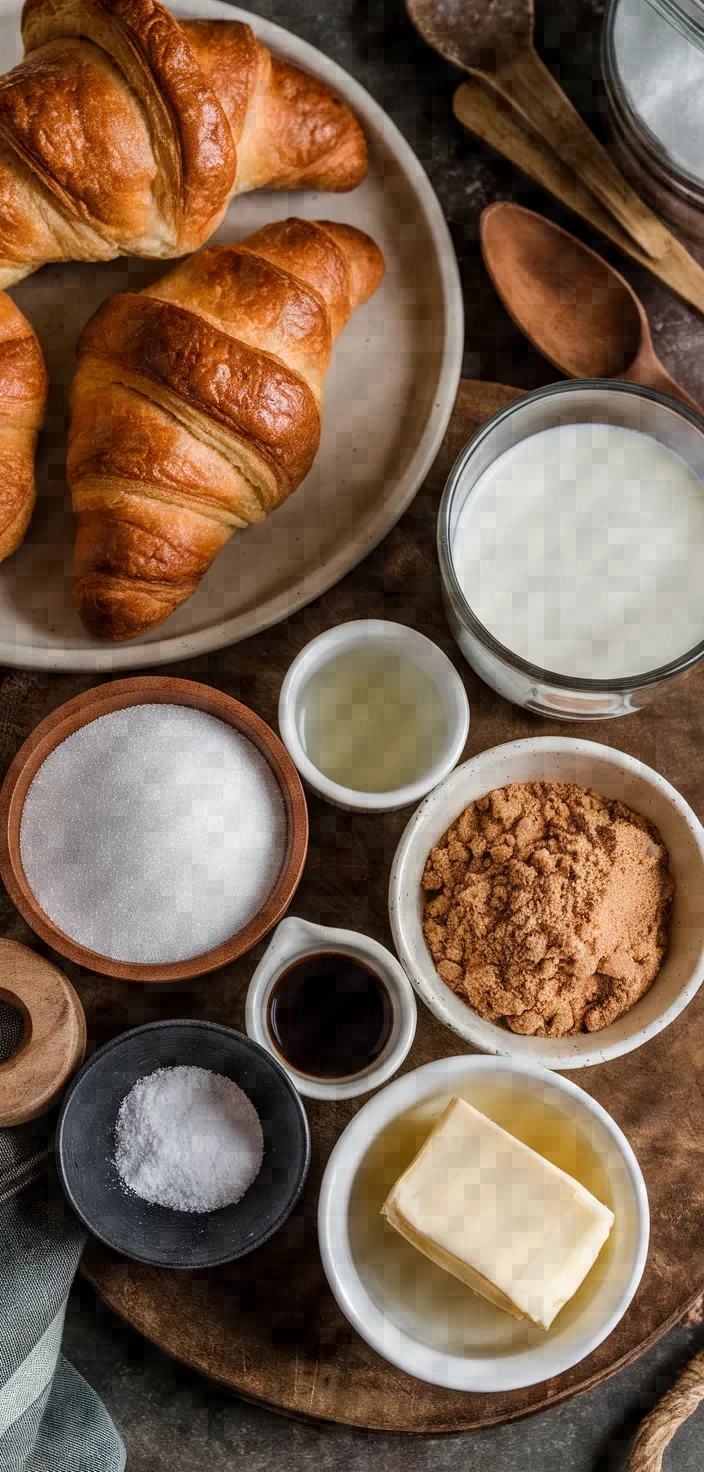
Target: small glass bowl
[(674, 194), (595, 401)]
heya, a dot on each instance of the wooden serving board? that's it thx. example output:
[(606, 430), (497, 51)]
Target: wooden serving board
[(268, 1327)]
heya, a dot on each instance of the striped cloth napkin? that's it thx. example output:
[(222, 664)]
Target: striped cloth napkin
[(50, 1419)]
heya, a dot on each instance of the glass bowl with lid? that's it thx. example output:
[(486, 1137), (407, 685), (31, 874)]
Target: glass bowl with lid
[(627, 576), (652, 60)]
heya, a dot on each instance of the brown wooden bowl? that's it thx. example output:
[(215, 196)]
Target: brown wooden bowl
[(101, 701)]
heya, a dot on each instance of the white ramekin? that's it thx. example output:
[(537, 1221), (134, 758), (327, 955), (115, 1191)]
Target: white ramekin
[(292, 940), (397, 639), (612, 774), (403, 1314)]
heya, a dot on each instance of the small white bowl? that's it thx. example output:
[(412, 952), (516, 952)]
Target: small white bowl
[(396, 639), (612, 774), (292, 940), (416, 1315)]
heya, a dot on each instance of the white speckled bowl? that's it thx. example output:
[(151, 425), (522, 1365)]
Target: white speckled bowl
[(415, 1314), (613, 774)]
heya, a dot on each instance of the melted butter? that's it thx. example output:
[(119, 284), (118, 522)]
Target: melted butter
[(421, 1297)]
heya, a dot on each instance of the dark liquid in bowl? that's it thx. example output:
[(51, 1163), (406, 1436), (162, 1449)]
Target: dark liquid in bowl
[(329, 1015)]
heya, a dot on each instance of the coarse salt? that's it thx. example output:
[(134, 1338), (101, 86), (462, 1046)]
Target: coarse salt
[(188, 1139), (153, 834)]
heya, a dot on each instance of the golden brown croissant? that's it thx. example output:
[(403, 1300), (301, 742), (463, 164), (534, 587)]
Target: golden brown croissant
[(23, 390), (196, 409), (124, 131)]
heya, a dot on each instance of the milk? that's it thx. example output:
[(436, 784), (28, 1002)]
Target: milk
[(580, 549)]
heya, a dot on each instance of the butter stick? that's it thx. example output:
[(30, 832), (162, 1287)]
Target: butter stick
[(491, 1211)]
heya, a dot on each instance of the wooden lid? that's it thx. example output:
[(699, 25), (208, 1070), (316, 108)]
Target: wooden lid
[(54, 1038)]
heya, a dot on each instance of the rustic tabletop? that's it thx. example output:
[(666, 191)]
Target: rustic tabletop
[(169, 1417)]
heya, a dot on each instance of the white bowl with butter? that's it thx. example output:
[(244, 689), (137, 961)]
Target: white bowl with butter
[(612, 774), (419, 1316)]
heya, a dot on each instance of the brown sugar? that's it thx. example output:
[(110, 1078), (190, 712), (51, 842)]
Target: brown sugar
[(548, 907)]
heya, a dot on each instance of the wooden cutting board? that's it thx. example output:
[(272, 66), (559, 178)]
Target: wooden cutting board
[(268, 1327)]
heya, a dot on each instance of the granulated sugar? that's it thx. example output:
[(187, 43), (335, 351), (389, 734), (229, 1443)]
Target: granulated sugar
[(153, 834), (188, 1139)]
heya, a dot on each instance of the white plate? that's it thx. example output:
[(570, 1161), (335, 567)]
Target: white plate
[(420, 1317), (388, 397)]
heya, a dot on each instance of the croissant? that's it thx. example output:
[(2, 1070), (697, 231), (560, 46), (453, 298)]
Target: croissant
[(23, 390), (196, 409), (124, 131)]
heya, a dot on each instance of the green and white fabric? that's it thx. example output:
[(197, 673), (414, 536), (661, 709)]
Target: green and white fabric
[(50, 1419)]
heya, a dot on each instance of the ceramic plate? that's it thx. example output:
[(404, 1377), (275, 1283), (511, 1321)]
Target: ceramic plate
[(388, 397)]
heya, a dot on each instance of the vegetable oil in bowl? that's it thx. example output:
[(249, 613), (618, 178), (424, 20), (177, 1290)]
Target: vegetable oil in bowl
[(372, 720)]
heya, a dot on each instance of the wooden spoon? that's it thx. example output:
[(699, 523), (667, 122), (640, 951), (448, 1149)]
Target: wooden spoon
[(575, 308), (487, 114), (493, 40)]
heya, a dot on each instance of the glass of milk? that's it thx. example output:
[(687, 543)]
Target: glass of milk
[(571, 543)]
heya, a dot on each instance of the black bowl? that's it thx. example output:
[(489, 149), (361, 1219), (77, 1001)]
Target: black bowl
[(85, 1144)]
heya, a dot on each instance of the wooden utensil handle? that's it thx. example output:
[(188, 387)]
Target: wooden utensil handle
[(528, 85), (489, 115), (651, 374)]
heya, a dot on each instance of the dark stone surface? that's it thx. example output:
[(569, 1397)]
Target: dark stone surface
[(173, 1421), (170, 1418)]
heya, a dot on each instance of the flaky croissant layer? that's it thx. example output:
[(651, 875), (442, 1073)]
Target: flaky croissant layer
[(23, 391), (124, 131), (196, 410)]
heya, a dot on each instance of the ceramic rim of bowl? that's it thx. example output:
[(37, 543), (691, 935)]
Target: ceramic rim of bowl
[(435, 663), (570, 683), (353, 1297), (105, 700)]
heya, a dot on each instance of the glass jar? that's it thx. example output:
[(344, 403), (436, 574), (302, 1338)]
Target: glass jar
[(653, 66), (592, 401)]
